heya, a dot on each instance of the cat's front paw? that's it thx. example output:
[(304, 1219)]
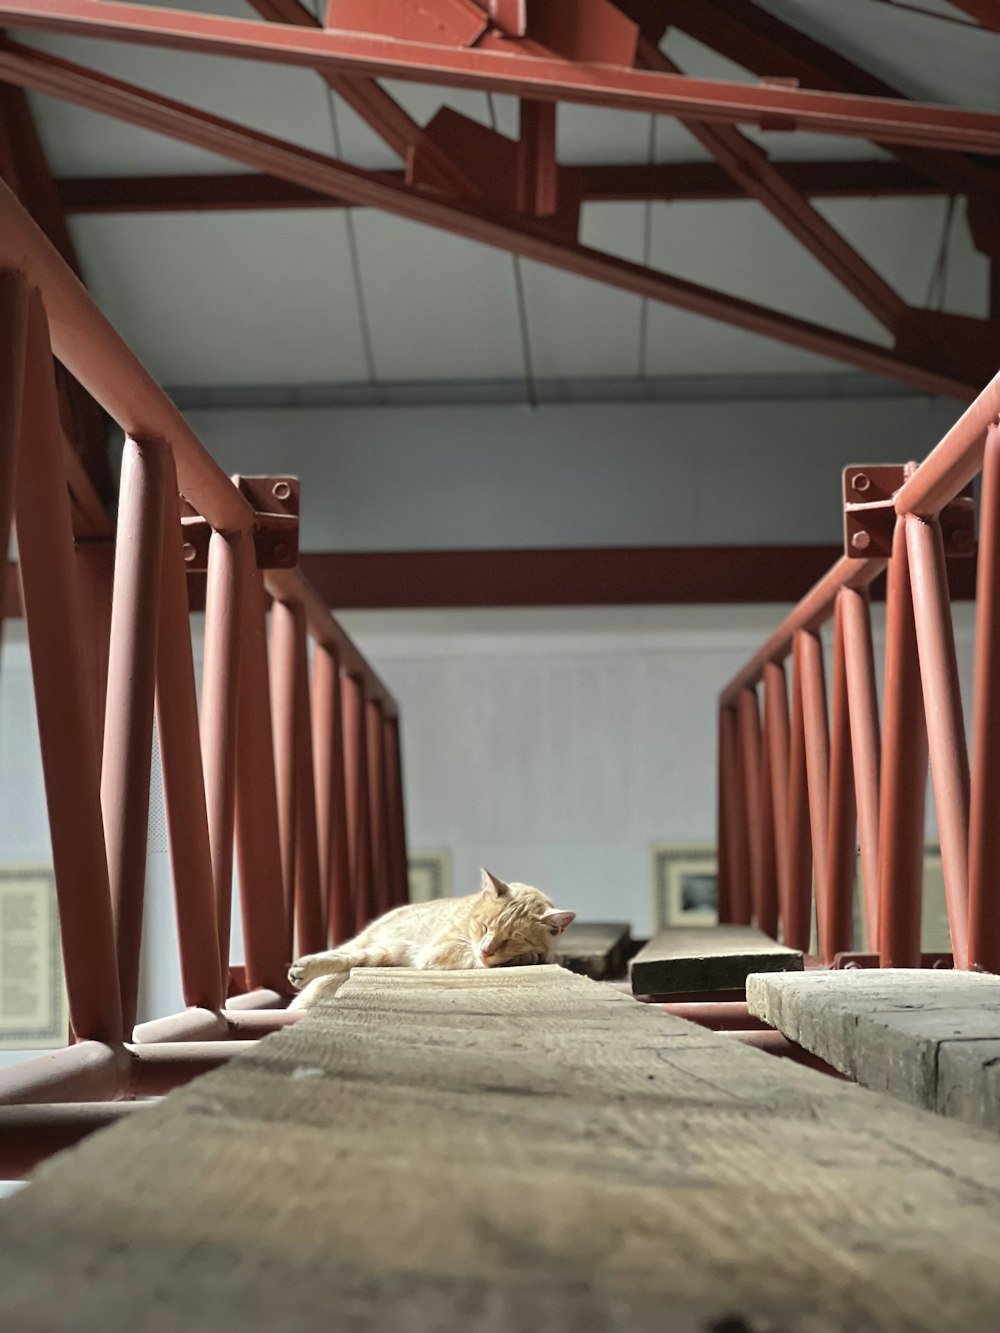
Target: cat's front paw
[(306, 969)]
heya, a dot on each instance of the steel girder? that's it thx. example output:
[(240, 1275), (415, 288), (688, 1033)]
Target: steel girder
[(541, 77), (44, 73)]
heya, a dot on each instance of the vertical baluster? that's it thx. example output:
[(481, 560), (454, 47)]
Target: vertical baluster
[(377, 805), (817, 756), (267, 942), (128, 732), (836, 923), (219, 712), (283, 688), (737, 844), (798, 924), (358, 814), (904, 774), (397, 811), (776, 733), (64, 699), (984, 824), (183, 775), (859, 660), (945, 723), (309, 905), (331, 796), (751, 772)]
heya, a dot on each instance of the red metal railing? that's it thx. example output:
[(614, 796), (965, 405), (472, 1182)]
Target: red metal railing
[(301, 781), (795, 791)]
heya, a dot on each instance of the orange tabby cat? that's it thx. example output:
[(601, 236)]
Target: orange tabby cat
[(504, 924)]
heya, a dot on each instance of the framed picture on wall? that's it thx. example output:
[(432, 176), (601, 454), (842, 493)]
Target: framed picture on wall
[(429, 874), (684, 884), (33, 1009)]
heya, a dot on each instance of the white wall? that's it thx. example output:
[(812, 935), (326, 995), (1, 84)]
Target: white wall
[(593, 474)]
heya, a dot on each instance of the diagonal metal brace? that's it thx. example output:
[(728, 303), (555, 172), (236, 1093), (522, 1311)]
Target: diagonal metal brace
[(870, 513)]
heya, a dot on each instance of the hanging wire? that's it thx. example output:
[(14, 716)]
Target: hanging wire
[(647, 250), (352, 237), (938, 285), (530, 387)]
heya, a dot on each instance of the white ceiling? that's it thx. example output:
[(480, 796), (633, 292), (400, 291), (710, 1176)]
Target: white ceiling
[(272, 297)]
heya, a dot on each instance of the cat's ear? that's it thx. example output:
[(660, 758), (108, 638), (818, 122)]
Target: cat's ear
[(496, 888), (558, 921)]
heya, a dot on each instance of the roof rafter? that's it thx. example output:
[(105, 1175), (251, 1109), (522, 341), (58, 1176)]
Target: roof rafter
[(60, 78), (552, 78), (750, 167), (692, 182)]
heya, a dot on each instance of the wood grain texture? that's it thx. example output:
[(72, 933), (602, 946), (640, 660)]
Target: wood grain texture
[(595, 949), (931, 1038), (684, 959), (522, 1151)]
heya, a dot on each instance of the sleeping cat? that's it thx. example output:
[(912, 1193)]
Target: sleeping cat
[(503, 925)]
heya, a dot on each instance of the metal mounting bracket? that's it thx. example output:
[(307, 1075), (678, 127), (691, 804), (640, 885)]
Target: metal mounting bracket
[(870, 513), (276, 525)]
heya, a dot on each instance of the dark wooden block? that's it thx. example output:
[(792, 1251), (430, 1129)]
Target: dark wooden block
[(596, 949), (717, 958)]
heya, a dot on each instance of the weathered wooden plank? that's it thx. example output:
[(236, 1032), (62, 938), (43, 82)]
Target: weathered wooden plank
[(931, 1038), (687, 960), (521, 1150), (596, 949)]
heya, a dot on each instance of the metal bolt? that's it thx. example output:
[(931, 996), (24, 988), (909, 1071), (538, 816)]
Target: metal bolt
[(960, 537), (281, 490), (860, 541), (281, 552), (861, 481), (189, 552)]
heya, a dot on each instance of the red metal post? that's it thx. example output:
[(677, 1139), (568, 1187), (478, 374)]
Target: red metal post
[(776, 739), (331, 797), (397, 811), (287, 623), (183, 776), (945, 723), (358, 815), (859, 660), (984, 823), (219, 703), (751, 774), (797, 922), (267, 948), (128, 732), (378, 806), (14, 322), (63, 699), (722, 881), (904, 774), (309, 901), (835, 920), (95, 572), (817, 747), (737, 844)]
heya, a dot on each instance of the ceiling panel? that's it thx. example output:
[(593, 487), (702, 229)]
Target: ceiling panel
[(439, 307), (583, 328), (237, 298), (942, 56)]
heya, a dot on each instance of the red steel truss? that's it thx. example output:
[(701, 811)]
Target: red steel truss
[(851, 778), (308, 870)]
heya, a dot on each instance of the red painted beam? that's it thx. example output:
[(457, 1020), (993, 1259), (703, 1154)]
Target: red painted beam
[(677, 181), (61, 78), (544, 78)]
